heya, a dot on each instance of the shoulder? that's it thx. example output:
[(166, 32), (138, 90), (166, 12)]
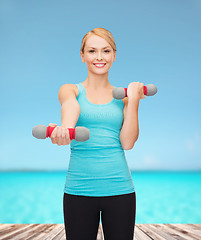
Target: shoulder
[(69, 87), (67, 91)]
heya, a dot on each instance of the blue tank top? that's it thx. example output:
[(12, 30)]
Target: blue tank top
[(98, 166)]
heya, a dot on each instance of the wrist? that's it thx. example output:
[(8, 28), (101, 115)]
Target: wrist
[(134, 100), (133, 103), (67, 127)]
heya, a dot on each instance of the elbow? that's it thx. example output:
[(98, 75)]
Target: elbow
[(129, 146)]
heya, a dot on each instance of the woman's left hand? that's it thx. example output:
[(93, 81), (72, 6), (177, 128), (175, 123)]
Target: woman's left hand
[(135, 90)]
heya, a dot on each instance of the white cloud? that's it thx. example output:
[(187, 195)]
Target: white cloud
[(150, 161), (193, 143)]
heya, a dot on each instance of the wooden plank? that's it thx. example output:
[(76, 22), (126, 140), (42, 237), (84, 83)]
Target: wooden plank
[(142, 232), (41, 232), (100, 235), (45, 232), (26, 232), (146, 229), (194, 230), (164, 228), (158, 229), (140, 235), (187, 234), (64, 236), (198, 226), (29, 232), (50, 235), (59, 233), (176, 234), (5, 226), (9, 228), (19, 228)]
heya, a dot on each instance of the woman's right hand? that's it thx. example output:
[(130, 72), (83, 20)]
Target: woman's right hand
[(135, 90), (60, 135)]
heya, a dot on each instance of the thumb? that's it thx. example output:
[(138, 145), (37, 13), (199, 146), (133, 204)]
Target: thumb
[(52, 124)]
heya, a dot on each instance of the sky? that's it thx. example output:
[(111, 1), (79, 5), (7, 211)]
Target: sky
[(158, 42)]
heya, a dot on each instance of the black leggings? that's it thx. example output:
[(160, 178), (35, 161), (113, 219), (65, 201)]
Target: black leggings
[(82, 215)]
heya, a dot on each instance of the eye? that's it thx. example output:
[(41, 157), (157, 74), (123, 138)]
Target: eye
[(105, 51)]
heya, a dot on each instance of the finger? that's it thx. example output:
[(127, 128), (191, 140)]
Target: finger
[(52, 124), (58, 136), (65, 140), (53, 135), (61, 139), (63, 132), (53, 139), (68, 137), (63, 136), (53, 132)]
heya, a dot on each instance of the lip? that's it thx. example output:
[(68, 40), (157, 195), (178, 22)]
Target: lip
[(99, 63)]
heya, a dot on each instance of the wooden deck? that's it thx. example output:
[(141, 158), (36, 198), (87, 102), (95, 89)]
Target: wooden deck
[(142, 231)]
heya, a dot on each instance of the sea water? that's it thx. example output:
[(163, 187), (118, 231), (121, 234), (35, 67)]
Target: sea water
[(161, 197)]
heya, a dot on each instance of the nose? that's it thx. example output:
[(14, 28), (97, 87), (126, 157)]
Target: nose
[(99, 57)]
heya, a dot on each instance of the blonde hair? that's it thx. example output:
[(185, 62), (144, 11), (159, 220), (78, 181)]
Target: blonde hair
[(101, 32)]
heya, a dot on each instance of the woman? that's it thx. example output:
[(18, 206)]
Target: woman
[(98, 178)]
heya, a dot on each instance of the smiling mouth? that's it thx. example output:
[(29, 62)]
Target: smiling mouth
[(99, 65)]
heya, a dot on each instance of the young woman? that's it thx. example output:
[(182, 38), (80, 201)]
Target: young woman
[(98, 180)]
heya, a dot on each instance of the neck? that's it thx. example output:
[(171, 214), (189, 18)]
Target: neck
[(95, 81)]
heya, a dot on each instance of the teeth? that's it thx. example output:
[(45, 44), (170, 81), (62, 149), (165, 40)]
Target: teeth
[(99, 65)]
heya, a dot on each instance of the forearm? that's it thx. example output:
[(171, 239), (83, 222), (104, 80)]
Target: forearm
[(130, 129), (70, 112)]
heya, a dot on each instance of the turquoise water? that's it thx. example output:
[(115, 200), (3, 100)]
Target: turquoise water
[(161, 197)]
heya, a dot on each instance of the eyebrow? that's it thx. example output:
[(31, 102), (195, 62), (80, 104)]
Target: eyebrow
[(102, 48)]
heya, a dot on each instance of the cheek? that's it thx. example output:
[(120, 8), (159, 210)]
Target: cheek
[(108, 58), (90, 59)]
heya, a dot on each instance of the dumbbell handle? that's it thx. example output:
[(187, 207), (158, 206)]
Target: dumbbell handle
[(144, 88), (79, 133), (50, 130), (120, 92)]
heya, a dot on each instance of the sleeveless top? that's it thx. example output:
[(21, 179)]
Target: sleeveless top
[(98, 166)]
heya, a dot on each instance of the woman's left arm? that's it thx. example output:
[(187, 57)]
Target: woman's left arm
[(130, 129)]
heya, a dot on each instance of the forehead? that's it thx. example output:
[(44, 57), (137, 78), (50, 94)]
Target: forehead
[(96, 42)]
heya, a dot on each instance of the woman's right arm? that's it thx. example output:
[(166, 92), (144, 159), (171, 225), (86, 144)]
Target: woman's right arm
[(70, 108), (70, 111)]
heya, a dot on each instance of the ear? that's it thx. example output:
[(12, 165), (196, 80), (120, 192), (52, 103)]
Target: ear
[(82, 56), (114, 56)]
